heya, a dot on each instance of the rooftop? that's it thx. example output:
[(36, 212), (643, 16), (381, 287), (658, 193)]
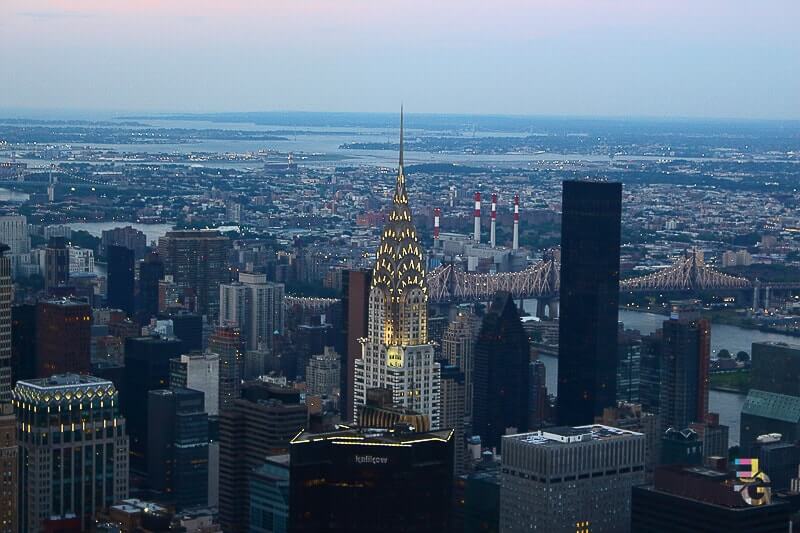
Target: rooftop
[(569, 435), (64, 380), (373, 437)]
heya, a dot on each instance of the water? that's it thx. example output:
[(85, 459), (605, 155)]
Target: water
[(7, 195), (151, 231)]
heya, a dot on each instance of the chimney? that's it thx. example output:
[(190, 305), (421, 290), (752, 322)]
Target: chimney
[(515, 246), (436, 214), (477, 236), (494, 220)]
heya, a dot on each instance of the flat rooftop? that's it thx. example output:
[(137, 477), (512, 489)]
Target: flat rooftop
[(373, 436), (557, 436), (64, 380)]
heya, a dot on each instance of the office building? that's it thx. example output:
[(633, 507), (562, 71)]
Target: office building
[(629, 350), (120, 288), (177, 446), (323, 373), (14, 234), (255, 306), (5, 325), (778, 459), (74, 460), (501, 402), (589, 298), (538, 401), (186, 326), (259, 424), (8, 469), (396, 351), (776, 366), (692, 499), (458, 347), (480, 510), (226, 342), (198, 371), (269, 496), (56, 264), (128, 237), (379, 412), (769, 412), (23, 341), (568, 479), (713, 434), (63, 337), (353, 480), (632, 417), (151, 271), (681, 447), (197, 261), (146, 368), (453, 412), (81, 260), (355, 303)]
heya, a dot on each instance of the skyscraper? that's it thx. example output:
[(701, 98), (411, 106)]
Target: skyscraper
[(74, 460), (322, 373), (151, 271), (590, 244), (458, 347), (200, 372), (146, 368), (502, 373), (226, 342), (8, 469), (177, 446), (453, 412), (119, 293), (56, 264), (568, 479), (5, 326), (355, 289), (396, 351), (255, 306), (63, 337), (197, 260), (259, 424)]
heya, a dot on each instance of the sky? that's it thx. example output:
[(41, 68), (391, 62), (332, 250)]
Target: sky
[(628, 58)]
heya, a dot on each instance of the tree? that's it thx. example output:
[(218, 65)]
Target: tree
[(742, 356), (724, 354)]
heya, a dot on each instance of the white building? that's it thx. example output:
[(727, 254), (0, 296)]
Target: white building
[(568, 479), (396, 353), (255, 306), (323, 373), (198, 371), (14, 234), (80, 260)]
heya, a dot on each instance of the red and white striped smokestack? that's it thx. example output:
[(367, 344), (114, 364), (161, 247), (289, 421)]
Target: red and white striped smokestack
[(477, 235), (436, 214), (494, 220), (515, 245)]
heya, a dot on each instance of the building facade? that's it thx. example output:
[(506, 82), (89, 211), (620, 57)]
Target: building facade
[(323, 373), (255, 306), (63, 337), (226, 342), (73, 449), (200, 372), (396, 352), (121, 285), (568, 479), (589, 298)]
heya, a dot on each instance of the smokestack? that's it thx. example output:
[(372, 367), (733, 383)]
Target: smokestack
[(515, 246), (436, 214), (494, 219), (477, 236)]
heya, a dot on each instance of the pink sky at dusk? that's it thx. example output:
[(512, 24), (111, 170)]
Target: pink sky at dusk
[(730, 58)]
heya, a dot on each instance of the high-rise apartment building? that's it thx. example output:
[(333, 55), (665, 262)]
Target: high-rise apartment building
[(259, 424), (120, 288), (198, 371), (73, 449), (396, 352), (501, 378), (323, 373), (458, 347), (226, 342), (14, 234), (363, 480), (198, 261), (56, 264), (453, 412), (63, 337), (129, 237), (568, 479), (589, 294), (177, 446), (255, 306)]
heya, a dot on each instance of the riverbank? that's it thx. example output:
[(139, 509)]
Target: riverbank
[(736, 381)]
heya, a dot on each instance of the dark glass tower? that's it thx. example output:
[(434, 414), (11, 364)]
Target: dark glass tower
[(151, 271), (120, 278), (587, 359), (501, 376)]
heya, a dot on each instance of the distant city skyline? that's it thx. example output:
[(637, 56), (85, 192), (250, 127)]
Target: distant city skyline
[(715, 59)]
